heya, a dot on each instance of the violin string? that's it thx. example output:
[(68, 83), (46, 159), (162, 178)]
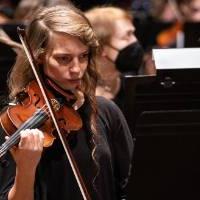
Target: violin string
[(13, 138)]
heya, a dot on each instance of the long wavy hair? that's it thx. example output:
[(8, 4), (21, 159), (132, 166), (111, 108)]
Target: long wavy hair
[(64, 19)]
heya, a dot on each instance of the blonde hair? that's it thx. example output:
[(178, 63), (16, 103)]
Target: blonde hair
[(102, 20)]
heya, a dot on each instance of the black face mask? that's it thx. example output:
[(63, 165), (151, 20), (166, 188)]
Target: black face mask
[(130, 58)]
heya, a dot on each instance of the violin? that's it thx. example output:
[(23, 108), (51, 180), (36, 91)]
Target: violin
[(168, 36), (32, 112)]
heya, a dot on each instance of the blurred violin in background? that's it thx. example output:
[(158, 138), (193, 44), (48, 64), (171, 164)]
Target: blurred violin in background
[(170, 36)]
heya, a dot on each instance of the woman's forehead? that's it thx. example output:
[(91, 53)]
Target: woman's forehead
[(62, 42), (122, 26)]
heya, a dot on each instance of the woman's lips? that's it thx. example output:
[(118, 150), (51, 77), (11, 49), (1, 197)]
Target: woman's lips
[(76, 82)]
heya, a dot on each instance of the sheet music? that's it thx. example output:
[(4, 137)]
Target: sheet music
[(177, 58)]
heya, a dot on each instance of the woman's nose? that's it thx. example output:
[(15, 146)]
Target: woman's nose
[(75, 67), (132, 39)]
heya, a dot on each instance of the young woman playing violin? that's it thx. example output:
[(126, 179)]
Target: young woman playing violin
[(64, 47)]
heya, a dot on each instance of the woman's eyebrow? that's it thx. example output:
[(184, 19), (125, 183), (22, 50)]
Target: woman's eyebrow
[(60, 52)]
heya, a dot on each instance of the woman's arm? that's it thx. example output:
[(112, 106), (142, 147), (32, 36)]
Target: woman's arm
[(23, 187), (27, 156)]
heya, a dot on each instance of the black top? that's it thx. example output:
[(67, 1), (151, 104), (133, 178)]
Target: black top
[(54, 177)]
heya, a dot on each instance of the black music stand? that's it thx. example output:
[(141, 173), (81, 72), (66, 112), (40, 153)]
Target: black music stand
[(164, 115)]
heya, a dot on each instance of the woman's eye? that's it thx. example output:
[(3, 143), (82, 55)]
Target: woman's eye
[(84, 56), (130, 33), (64, 59)]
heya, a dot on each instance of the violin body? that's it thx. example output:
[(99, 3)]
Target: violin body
[(33, 113), (168, 37)]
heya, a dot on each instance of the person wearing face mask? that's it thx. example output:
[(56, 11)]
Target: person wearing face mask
[(121, 52), (129, 58)]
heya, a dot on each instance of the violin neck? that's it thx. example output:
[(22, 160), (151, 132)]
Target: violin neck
[(34, 121)]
